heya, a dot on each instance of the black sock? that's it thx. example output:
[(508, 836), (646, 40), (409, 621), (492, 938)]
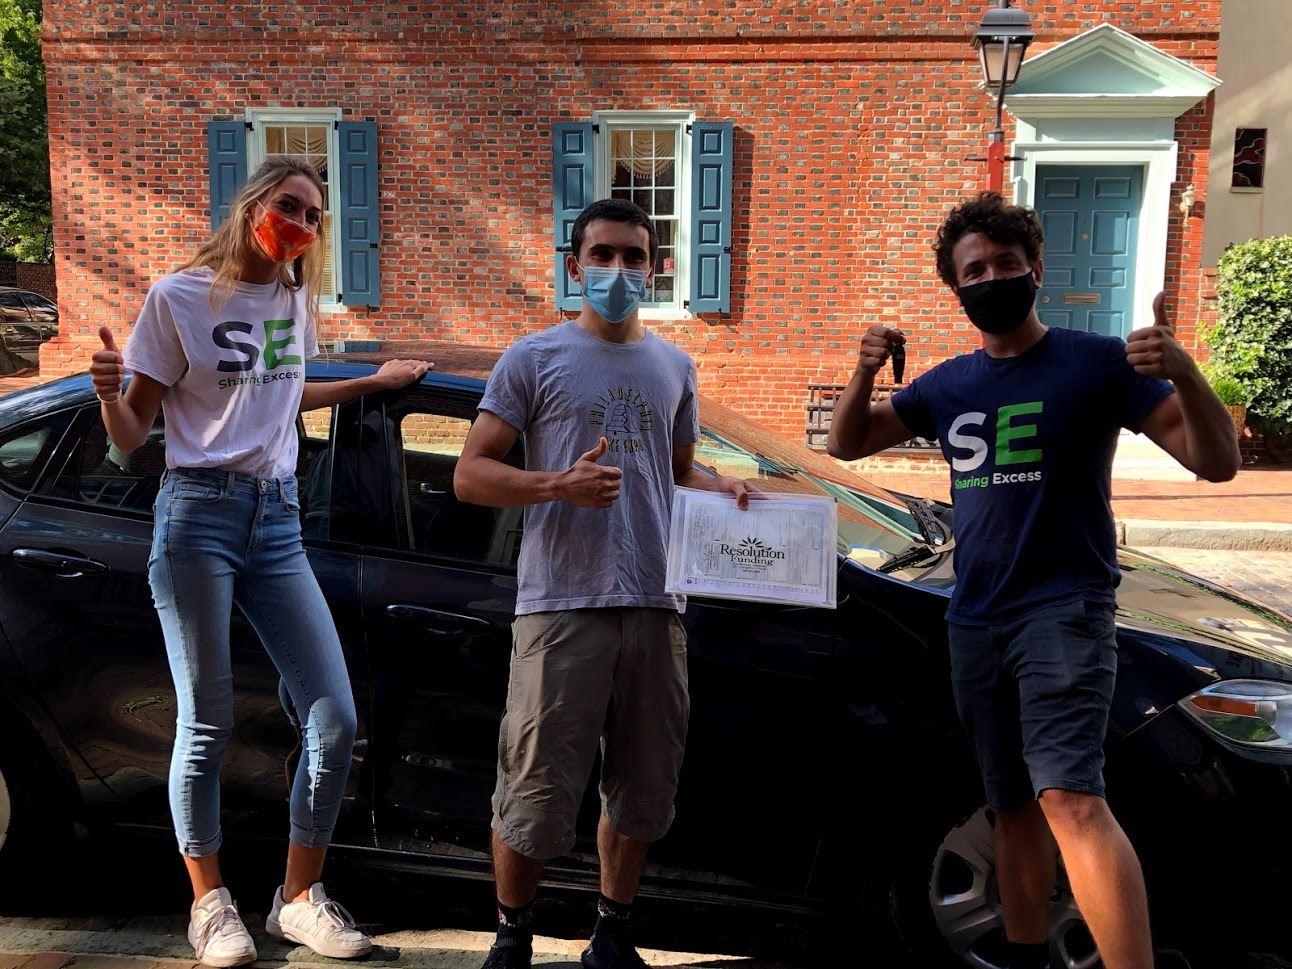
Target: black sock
[(608, 908), (1029, 955), (516, 919)]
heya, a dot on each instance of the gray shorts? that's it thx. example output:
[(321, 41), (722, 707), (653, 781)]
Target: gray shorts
[(1034, 695), (582, 678)]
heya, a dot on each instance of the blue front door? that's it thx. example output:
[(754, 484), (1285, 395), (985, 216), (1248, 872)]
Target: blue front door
[(1091, 219)]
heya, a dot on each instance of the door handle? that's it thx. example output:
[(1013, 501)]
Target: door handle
[(437, 622), (67, 565)]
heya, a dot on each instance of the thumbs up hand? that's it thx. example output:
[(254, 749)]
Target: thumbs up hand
[(1154, 350), (589, 484), (107, 368)]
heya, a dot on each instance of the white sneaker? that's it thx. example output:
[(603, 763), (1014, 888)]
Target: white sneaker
[(216, 932), (317, 922)]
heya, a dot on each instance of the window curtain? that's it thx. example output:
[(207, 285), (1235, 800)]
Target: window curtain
[(632, 151)]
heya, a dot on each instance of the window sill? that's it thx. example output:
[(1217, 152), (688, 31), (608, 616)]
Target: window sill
[(670, 315), (1246, 190)]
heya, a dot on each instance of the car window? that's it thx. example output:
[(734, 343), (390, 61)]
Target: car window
[(12, 308), (25, 450), (19, 347), (313, 471), (42, 309), (425, 438), (866, 521), (99, 473)]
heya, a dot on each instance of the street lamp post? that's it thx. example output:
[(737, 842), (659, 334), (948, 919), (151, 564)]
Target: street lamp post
[(1001, 41)]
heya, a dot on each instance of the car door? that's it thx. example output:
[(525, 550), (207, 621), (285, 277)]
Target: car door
[(19, 336), (44, 315), (79, 613), (760, 774), (12, 308), (438, 594), (438, 590)]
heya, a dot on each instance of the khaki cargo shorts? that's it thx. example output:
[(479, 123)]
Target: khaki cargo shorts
[(579, 678)]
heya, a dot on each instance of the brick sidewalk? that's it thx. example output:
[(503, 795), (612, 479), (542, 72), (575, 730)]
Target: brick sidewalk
[(8, 384), (401, 949), (66, 960), (1255, 495)]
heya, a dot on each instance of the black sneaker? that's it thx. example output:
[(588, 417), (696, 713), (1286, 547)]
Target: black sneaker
[(611, 947), (512, 949)]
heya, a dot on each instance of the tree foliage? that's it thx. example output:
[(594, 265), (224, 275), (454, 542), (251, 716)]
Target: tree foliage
[(1253, 340), (24, 135)]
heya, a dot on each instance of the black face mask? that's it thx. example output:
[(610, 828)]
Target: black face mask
[(999, 305)]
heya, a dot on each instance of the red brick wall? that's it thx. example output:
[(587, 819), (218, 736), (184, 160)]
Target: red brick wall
[(853, 121), (1191, 311), (37, 278)]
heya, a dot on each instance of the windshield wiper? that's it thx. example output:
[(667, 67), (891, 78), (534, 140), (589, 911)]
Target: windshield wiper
[(930, 527), (912, 556)]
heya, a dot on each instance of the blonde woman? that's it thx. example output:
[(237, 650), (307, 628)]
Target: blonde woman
[(220, 346)]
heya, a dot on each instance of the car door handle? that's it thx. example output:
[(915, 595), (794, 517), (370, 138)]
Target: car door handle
[(437, 622), (69, 566)]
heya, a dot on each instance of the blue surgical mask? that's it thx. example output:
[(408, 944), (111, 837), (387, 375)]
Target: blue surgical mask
[(612, 292)]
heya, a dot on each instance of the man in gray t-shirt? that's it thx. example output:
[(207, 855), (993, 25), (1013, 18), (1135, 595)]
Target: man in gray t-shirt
[(609, 417)]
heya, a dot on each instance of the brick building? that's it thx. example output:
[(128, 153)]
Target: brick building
[(798, 157), (1251, 138)]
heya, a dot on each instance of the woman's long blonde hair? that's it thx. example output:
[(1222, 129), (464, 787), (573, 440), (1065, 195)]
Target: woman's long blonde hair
[(229, 251)]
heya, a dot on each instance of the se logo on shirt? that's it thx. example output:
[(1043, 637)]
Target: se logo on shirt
[(223, 336), (1006, 433)]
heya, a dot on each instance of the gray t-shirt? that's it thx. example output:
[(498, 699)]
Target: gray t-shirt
[(564, 389)]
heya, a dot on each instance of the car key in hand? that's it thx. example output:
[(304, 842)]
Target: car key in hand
[(899, 362)]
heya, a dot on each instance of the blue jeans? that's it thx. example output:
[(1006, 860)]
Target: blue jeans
[(222, 538)]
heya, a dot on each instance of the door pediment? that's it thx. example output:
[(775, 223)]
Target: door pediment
[(1107, 72)]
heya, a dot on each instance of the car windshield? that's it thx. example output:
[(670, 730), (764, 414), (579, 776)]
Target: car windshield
[(869, 517)]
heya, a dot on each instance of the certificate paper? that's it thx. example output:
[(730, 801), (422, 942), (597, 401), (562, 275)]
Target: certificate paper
[(782, 549)]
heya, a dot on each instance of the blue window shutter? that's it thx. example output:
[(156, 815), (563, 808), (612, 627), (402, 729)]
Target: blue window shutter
[(711, 172), (360, 232), (226, 143), (573, 188)]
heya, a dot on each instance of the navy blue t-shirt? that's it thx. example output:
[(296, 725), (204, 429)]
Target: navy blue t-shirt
[(1030, 440)]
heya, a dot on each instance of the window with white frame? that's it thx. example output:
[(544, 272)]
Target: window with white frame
[(680, 171), (311, 136), (645, 159)]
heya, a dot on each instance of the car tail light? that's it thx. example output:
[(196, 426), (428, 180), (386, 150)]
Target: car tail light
[(1255, 713)]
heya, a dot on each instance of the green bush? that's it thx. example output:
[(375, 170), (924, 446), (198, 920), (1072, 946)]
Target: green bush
[(1230, 390), (1252, 343)]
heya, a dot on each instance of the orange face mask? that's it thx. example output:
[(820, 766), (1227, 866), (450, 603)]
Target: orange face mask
[(281, 239)]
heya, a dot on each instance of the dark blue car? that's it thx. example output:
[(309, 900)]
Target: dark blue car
[(825, 763)]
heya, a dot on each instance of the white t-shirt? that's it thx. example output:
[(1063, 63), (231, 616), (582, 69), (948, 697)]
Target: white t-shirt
[(234, 374)]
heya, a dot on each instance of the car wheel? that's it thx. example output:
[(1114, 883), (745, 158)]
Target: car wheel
[(947, 907), (6, 812), (33, 829)]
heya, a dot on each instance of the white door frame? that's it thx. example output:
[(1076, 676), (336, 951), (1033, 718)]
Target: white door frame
[(1157, 158)]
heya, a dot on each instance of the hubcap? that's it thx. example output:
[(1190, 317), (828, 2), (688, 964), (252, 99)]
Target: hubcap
[(967, 909), (6, 811)]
